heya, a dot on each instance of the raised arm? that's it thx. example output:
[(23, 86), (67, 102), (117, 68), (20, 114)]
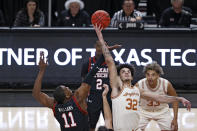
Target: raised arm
[(115, 81), (41, 97), (106, 108), (165, 98)]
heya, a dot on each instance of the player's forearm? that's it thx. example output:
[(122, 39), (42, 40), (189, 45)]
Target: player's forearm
[(38, 84), (161, 98), (175, 109), (107, 113), (106, 54)]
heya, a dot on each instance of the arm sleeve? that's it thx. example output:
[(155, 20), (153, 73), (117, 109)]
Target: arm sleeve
[(90, 75)]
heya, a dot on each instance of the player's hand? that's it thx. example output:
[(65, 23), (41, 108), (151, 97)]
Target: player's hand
[(174, 125), (105, 90), (186, 103), (98, 30), (116, 46), (43, 63)]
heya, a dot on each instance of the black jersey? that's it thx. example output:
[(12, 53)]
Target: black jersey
[(101, 77), (71, 116)]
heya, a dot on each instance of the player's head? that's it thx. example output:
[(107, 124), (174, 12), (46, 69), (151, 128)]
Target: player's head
[(102, 128), (98, 49), (126, 72), (62, 93), (128, 6), (152, 72), (177, 5)]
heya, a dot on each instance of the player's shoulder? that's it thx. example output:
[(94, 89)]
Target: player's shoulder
[(164, 80), (141, 80)]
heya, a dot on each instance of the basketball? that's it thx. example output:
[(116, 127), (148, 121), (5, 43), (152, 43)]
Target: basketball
[(101, 18)]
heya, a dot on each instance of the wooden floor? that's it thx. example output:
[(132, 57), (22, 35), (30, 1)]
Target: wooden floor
[(41, 119)]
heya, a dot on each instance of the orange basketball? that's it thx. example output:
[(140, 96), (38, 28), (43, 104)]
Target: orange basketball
[(101, 17)]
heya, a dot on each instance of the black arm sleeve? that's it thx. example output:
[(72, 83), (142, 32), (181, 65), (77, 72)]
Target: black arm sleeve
[(90, 75)]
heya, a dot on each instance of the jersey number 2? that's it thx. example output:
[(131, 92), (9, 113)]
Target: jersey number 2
[(67, 125), (99, 84)]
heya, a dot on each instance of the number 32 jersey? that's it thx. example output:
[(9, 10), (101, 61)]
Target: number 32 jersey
[(71, 116), (125, 109)]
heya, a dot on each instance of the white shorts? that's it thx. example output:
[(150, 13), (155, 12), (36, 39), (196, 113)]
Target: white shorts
[(163, 119)]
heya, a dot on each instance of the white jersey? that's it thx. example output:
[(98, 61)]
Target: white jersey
[(161, 89), (125, 109)]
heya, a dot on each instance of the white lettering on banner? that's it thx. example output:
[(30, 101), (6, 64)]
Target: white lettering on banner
[(11, 54), (133, 57), (92, 51), (185, 55), (163, 55), (27, 56), (68, 56), (143, 54), (118, 56), (75, 56), (175, 57), (31, 56), (1, 55)]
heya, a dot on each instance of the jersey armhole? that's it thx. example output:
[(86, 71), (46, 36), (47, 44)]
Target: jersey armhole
[(79, 107), (116, 96)]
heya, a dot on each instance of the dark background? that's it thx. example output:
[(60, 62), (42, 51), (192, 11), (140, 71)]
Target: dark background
[(11, 7), (183, 77)]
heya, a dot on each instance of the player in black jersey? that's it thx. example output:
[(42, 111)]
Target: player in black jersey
[(69, 108), (94, 101)]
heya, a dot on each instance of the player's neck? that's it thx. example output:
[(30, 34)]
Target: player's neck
[(154, 84), (127, 84)]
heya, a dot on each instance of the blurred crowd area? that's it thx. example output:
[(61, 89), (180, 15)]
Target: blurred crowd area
[(151, 9)]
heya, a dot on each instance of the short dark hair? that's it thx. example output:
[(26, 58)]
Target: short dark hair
[(102, 128), (129, 66), (59, 95)]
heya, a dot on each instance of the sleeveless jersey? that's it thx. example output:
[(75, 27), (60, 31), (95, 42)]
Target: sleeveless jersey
[(101, 77), (70, 116), (161, 89), (125, 109)]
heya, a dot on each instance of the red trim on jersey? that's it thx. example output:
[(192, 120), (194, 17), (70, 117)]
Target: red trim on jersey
[(89, 65), (164, 87), (54, 108), (94, 60), (79, 107)]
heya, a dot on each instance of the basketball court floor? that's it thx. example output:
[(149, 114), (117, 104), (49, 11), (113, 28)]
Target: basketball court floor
[(42, 119)]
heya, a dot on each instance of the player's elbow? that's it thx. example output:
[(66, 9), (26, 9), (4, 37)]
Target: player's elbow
[(109, 60)]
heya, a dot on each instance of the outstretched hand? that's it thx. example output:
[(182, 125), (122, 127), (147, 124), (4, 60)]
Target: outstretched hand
[(98, 30), (42, 63), (105, 90), (186, 103)]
